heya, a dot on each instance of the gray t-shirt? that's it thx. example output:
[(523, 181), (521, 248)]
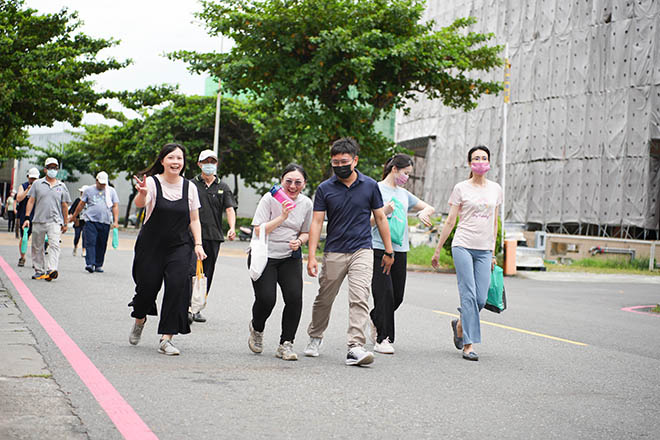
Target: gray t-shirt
[(96, 205), (299, 221), (48, 201)]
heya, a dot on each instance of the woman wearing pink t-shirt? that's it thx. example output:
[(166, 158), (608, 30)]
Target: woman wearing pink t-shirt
[(476, 203)]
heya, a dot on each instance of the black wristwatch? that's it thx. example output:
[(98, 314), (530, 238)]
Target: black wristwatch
[(389, 254)]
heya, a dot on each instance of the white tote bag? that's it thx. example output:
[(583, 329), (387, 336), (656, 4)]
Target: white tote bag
[(198, 300), (258, 253)]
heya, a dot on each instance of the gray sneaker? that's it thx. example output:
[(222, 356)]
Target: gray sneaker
[(312, 349), (136, 332), (359, 356), (285, 352), (166, 347), (256, 340)]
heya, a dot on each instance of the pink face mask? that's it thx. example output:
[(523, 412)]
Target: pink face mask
[(480, 168), (401, 179)]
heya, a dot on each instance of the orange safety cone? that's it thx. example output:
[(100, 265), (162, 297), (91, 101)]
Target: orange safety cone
[(510, 257)]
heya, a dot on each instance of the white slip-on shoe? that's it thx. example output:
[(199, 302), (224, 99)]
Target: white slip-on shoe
[(384, 347)]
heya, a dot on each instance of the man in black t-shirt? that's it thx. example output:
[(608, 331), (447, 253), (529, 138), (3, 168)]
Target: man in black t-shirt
[(215, 198), (21, 203)]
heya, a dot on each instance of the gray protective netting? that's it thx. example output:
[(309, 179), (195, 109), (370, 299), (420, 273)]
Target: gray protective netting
[(585, 109)]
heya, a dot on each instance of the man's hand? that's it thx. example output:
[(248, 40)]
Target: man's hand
[(231, 234), (386, 263), (312, 266), (64, 228), (26, 224), (115, 225)]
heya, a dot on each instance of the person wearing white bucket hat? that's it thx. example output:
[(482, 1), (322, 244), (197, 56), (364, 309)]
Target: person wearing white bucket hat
[(102, 209)]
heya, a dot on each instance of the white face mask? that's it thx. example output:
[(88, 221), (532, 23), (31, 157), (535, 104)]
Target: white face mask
[(209, 168), (51, 173)]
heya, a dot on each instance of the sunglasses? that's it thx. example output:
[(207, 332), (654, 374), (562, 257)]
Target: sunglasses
[(289, 182)]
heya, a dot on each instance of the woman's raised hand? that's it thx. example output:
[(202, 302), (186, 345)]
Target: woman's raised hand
[(141, 185)]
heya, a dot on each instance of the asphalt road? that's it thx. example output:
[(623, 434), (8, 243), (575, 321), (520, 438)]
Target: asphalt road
[(599, 378)]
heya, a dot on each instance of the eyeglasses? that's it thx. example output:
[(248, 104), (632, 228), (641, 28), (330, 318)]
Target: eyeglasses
[(289, 182), (340, 163)]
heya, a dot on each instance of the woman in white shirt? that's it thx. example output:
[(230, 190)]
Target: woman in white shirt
[(164, 250), (287, 229), (476, 203)]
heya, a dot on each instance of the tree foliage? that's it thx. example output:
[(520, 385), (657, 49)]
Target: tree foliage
[(189, 120), (45, 63), (329, 68)]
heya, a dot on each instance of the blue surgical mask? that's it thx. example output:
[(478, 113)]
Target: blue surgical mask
[(209, 168), (51, 173)]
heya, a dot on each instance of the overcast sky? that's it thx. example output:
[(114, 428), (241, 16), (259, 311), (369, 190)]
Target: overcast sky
[(147, 29)]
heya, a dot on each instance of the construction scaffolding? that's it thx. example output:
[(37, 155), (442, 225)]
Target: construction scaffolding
[(583, 138)]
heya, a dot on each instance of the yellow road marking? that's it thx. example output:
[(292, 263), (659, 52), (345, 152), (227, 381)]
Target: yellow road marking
[(519, 330)]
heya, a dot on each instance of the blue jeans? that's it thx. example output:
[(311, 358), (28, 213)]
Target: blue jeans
[(473, 276), (96, 242)]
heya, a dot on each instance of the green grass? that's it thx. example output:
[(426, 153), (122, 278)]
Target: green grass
[(656, 309), (421, 256), (597, 265)]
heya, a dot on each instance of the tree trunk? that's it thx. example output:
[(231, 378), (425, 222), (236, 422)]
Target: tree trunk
[(236, 188)]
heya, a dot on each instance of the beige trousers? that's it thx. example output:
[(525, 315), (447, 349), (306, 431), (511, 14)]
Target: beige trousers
[(336, 266), (42, 262)]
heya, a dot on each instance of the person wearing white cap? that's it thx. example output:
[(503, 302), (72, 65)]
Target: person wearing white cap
[(47, 212), (21, 204), (102, 205), (216, 198)]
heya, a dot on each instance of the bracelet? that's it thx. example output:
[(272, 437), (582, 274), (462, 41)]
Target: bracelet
[(198, 244)]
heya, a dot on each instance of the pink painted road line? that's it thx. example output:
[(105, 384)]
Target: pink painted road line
[(129, 424), (634, 310)]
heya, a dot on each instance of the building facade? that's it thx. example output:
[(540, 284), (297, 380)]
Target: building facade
[(583, 131)]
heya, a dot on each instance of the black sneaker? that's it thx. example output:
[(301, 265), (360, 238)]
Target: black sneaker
[(89, 269)]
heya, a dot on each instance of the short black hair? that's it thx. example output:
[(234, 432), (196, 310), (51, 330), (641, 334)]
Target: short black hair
[(345, 145)]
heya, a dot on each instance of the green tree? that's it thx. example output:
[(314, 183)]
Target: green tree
[(45, 63), (329, 68), (189, 120)]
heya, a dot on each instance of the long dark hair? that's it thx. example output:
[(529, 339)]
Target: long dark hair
[(294, 167), (472, 150), (399, 160), (157, 166)]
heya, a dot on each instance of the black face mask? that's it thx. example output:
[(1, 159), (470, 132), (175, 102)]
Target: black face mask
[(343, 172)]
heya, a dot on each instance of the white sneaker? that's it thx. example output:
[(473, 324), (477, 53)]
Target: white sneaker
[(166, 347), (285, 352), (384, 347), (359, 356), (312, 349), (256, 340)]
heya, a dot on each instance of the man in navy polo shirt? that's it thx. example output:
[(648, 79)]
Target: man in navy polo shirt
[(348, 198)]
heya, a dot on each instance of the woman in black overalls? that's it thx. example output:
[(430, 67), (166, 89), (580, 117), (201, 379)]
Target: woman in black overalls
[(164, 249)]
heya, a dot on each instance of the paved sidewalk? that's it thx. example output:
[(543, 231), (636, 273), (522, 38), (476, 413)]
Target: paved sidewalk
[(31, 402)]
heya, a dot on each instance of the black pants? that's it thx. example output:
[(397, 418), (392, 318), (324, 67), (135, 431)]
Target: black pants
[(11, 219), (150, 268), (387, 291), (286, 272), (78, 233), (211, 249)]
